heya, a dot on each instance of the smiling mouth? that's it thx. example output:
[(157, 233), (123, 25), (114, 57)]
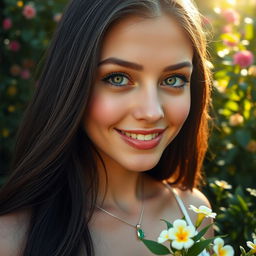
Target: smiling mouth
[(142, 135)]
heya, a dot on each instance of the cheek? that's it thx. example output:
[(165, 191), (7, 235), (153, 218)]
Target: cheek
[(177, 110), (103, 110)]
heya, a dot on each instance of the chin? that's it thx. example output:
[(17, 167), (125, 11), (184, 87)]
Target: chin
[(141, 166)]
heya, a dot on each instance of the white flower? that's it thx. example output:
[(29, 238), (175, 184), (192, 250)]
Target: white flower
[(252, 245), (181, 235), (222, 250), (223, 184), (164, 236), (251, 191), (202, 212), (207, 212)]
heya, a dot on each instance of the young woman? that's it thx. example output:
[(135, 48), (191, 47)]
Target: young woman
[(120, 107)]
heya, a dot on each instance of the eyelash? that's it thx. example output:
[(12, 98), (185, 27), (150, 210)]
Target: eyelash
[(124, 75), (115, 74)]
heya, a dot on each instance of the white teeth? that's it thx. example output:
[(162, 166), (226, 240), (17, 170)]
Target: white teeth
[(134, 136), (140, 136)]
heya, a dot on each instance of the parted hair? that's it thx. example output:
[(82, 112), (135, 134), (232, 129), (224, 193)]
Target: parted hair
[(53, 171)]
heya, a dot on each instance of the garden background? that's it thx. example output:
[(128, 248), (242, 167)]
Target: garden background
[(230, 166)]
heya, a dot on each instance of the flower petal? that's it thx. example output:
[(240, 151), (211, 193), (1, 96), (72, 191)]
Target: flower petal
[(191, 230), (177, 245), (164, 236), (188, 244), (171, 233), (193, 208), (161, 239), (204, 208), (218, 241), (228, 250), (179, 223), (249, 244)]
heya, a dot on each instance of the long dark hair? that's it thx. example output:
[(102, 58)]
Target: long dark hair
[(53, 171)]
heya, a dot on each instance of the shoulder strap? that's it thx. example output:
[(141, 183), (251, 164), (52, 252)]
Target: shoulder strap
[(183, 209), (180, 202)]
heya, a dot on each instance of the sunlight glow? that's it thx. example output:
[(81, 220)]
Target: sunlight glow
[(223, 53), (217, 10), (245, 42), (231, 2), (248, 20), (244, 72)]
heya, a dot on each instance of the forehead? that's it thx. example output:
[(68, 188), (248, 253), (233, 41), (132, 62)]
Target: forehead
[(147, 39)]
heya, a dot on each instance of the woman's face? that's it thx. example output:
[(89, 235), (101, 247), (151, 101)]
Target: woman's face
[(141, 96)]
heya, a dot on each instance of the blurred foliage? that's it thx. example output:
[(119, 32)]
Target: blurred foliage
[(232, 151), (236, 212), (26, 29)]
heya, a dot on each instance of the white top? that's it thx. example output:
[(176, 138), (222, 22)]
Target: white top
[(183, 209)]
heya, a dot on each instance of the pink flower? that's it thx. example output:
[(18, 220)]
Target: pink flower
[(29, 11), (243, 58), (7, 23), (231, 16), (226, 29), (25, 74), (14, 46)]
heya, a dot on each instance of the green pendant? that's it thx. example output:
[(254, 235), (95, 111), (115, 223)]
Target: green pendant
[(140, 232)]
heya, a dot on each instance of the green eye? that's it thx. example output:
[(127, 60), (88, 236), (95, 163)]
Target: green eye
[(116, 79), (171, 80), (176, 81)]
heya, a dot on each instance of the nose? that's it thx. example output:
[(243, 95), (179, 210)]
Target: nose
[(148, 105)]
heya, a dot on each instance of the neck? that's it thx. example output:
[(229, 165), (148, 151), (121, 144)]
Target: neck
[(121, 189)]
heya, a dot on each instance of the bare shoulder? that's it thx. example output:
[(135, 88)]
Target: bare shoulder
[(196, 198), (13, 232)]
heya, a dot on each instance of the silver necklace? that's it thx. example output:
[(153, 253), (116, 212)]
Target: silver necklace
[(139, 231)]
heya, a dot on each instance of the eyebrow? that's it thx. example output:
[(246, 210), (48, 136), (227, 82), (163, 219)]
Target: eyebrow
[(136, 66)]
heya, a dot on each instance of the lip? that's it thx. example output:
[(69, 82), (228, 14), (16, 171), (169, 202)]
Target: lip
[(140, 144), (144, 132)]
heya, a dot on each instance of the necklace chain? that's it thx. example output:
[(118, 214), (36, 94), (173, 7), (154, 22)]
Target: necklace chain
[(140, 232), (115, 216)]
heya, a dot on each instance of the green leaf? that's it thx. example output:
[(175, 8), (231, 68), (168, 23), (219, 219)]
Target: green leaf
[(249, 31), (232, 105), (197, 248), (242, 203), (169, 225), (201, 233), (156, 248), (225, 112)]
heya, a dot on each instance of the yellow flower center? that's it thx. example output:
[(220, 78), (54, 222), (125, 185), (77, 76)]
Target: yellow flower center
[(221, 251), (182, 235)]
